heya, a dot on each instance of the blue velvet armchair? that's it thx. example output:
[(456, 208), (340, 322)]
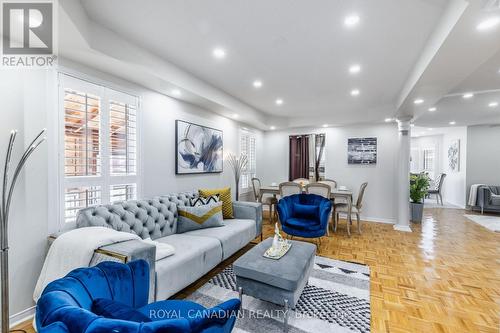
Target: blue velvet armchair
[(67, 305), (304, 215)]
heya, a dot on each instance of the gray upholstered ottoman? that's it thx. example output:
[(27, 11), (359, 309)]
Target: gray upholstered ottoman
[(275, 280)]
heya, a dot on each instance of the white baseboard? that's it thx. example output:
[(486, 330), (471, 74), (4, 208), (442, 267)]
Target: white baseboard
[(22, 316), (403, 228)]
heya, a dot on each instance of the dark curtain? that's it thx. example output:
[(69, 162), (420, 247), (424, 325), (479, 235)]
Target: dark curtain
[(299, 157), (320, 142)]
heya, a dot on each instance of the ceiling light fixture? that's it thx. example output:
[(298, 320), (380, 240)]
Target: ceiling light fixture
[(488, 23), (468, 95), (432, 109), (388, 120), (176, 92), (354, 69), (351, 20), (272, 128), (430, 129), (235, 116), (219, 53), (279, 101), (453, 122), (257, 83), (355, 92), (493, 104), (418, 101), (325, 125)]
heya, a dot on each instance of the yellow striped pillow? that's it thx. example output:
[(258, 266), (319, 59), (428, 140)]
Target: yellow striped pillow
[(199, 217), (224, 196)]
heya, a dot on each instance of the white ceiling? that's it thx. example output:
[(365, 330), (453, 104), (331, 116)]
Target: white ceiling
[(299, 49)]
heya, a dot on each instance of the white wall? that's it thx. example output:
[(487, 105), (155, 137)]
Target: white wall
[(380, 197), (483, 155), (24, 107)]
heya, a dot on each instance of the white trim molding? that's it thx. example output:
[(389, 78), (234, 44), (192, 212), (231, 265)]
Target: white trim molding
[(22, 316), (403, 228)]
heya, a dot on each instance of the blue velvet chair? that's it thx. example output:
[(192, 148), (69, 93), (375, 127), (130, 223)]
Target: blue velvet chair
[(66, 304), (304, 215)]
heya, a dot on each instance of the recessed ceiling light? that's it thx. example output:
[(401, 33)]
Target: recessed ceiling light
[(176, 92), (488, 23), (235, 115), (355, 69), (418, 101), (325, 125), (355, 92), (388, 120), (351, 20), (272, 128), (468, 95), (257, 83), (219, 53), (432, 109), (453, 122), (279, 101), (493, 104)]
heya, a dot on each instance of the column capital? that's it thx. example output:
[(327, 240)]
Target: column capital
[(404, 123)]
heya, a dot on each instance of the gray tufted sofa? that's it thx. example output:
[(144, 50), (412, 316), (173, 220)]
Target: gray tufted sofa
[(196, 252), (488, 199)]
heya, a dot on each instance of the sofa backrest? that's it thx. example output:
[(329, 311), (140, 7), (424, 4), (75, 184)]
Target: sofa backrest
[(155, 218)]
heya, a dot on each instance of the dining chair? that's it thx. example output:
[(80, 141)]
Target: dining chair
[(270, 201), (355, 209), (319, 189), (332, 183), (289, 188), (438, 186), (323, 190), (302, 181)]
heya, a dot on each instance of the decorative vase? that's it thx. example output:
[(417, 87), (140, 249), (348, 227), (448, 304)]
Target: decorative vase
[(416, 212)]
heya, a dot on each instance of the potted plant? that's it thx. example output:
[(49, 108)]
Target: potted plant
[(419, 184)]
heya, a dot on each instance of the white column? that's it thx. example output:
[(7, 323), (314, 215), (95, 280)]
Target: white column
[(403, 179)]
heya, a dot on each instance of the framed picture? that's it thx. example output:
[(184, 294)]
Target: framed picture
[(198, 149), (454, 156), (362, 151)]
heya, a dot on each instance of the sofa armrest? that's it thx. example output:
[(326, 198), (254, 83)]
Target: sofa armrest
[(250, 211), (134, 250)]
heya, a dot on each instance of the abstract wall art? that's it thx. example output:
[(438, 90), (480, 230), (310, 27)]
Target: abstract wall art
[(454, 156), (199, 149), (362, 151)]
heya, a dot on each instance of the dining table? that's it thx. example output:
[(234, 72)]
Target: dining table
[(335, 193)]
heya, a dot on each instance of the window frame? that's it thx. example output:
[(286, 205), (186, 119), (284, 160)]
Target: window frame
[(107, 92)]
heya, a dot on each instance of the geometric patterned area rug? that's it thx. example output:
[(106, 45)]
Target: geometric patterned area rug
[(336, 299), (489, 222)]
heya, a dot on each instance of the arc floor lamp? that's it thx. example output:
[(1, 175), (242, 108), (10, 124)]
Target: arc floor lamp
[(7, 191)]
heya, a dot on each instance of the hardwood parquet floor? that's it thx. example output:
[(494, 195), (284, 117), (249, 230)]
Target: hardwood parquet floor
[(442, 277)]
